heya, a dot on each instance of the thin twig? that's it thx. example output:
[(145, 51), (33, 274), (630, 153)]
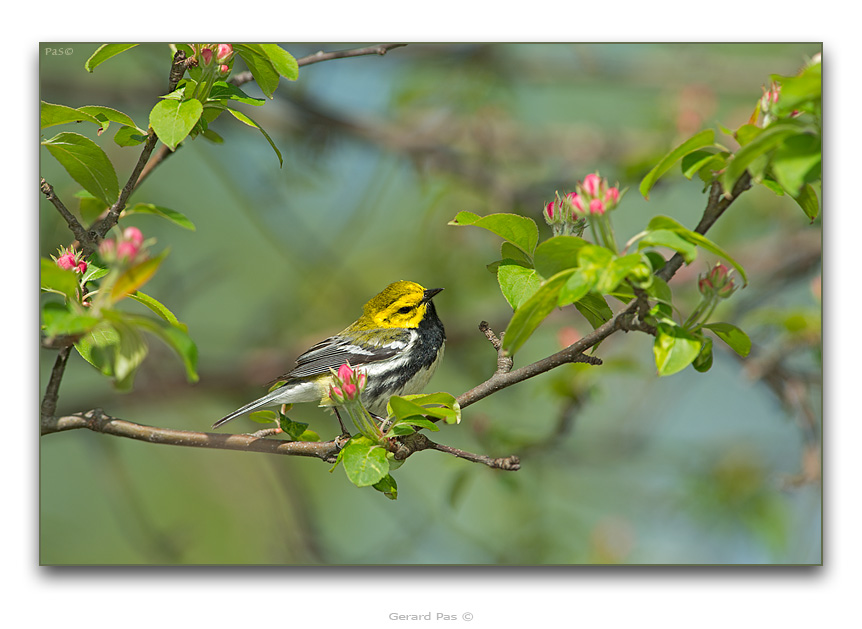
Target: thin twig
[(52, 391), (77, 229), (104, 225), (380, 49), (417, 442)]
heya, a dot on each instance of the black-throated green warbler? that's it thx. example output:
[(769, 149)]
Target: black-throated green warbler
[(398, 343)]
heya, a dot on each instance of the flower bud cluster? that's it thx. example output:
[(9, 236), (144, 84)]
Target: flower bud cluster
[(220, 54), (717, 283), (595, 196), (71, 260), (347, 384), (128, 249)]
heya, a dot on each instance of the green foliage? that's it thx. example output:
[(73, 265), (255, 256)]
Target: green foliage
[(173, 120), (86, 163), (695, 143), (105, 52)]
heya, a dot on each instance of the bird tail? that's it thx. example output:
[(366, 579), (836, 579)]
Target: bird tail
[(270, 399)]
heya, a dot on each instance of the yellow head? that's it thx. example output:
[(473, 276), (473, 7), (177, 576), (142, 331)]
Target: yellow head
[(400, 305)]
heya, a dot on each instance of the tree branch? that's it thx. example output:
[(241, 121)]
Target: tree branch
[(418, 442), (97, 421), (716, 206)]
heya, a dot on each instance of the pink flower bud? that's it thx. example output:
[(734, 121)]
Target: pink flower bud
[(66, 261), (612, 196), (82, 267), (127, 250), (223, 69), (224, 52), (206, 55), (345, 372), (134, 235), (592, 184), (336, 394), (549, 211), (705, 287), (350, 391), (718, 275), (597, 207)]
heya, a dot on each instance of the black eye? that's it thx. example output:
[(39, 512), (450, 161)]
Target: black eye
[(405, 309)]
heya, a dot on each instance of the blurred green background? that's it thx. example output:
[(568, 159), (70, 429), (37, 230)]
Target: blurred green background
[(618, 466)]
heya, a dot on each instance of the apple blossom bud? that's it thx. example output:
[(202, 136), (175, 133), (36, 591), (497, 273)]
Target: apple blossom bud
[(612, 197), (134, 235), (82, 267), (127, 250), (223, 69), (597, 207), (549, 212), (577, 202), (592, 184), (206, 55), (66, 261), (224, 52)]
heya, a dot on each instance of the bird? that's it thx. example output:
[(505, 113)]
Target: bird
[(398, 342)]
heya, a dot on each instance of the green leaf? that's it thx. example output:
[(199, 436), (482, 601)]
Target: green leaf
[(807, 200), (768, 140), (703, 362), (508, 250), (532, 312), (86, 163), (245, 119), (671, 240), (159, 308), (413, 411), (262, 69), (157, 210), (173, 336), (674, 349), (105, 52), (518, 230), (56, 280), (703, 163), (697, 141), (93, 273), (797, 161), (283, 62), (172, 120), (595, 309), (801, 92), (97, 347), (558, 254), (294, 430), (264, 417), (387, 486), (58, 320), (364, 462), (89, 206), (136, 276), (106, 115), (617, 270), (224, 90), (50, 115), (517, 282), (577, 286), (129, 136), (666, 223), (735, 338)]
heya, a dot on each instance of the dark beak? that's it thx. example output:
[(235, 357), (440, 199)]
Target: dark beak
[(429, 294)]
